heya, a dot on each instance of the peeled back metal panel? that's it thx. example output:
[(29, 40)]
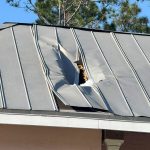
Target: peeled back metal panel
[(101, 74), (93, 97), (137, 60), (69, 94), (68, 52), (13, 85), (37, 87), (124, 75), (67, 41)]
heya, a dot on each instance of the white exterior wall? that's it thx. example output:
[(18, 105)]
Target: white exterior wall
[(13, 137)]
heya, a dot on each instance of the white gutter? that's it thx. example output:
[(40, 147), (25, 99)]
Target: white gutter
[(74, 122)]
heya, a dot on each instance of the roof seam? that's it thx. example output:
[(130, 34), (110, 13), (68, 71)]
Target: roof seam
[(21, 69), (131, 66), (46, 68), (2, 92), (87, 69), (143, 53), (118, 84), (62, 66), (42, 62)]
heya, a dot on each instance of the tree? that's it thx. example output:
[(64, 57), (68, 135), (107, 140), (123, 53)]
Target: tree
[(118, 15), (127, 18), (81, 13), (67, 12)]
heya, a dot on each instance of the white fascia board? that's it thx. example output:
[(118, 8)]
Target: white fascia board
[(52, 121), (74, 122), (125, 125)]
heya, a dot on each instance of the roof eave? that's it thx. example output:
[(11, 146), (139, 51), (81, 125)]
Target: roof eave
[(74, 120)]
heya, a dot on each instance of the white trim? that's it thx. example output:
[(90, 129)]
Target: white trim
[(52, 121), (74, 122), (125, 126)]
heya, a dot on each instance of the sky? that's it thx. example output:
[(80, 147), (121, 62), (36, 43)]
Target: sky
[(145, 8), (10, 14)]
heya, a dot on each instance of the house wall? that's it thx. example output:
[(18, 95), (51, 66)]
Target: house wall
[(136, 141), (132, 140), (48, 138)]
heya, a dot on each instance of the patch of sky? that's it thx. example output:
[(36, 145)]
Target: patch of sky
[(11, 14)]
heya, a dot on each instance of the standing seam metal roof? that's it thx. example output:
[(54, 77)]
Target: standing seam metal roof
[(38, 64)]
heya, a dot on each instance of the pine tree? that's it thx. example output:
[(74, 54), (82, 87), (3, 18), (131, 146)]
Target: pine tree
[(120, 15), (81, 13), (127, 18)]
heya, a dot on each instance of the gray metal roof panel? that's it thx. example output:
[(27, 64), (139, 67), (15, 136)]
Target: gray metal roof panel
[(11, 74), (36, 85), (144, 42), (38, 64), (7, 25), (70, 93), (123, 73), (101, 74)]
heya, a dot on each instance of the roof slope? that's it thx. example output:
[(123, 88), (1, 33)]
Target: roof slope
[(39, 64)]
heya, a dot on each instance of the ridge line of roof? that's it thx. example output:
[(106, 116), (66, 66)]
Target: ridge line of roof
[(79, 28), (9, 26)]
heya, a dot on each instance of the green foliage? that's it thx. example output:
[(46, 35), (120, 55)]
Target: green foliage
[(127, 18), (81, 13), (120, 15), (72, 13)]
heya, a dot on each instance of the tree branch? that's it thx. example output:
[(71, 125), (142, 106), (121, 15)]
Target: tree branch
[(74, 12), (38, 12), (70, 6)]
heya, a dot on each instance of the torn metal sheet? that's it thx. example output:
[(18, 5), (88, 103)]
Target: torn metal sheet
[(71, 94)]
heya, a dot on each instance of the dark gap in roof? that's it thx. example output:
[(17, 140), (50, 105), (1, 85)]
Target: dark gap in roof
[(87, 109), (83, 77), (60, 104)]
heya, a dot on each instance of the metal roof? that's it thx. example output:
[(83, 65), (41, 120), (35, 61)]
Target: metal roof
[(38, 64)]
